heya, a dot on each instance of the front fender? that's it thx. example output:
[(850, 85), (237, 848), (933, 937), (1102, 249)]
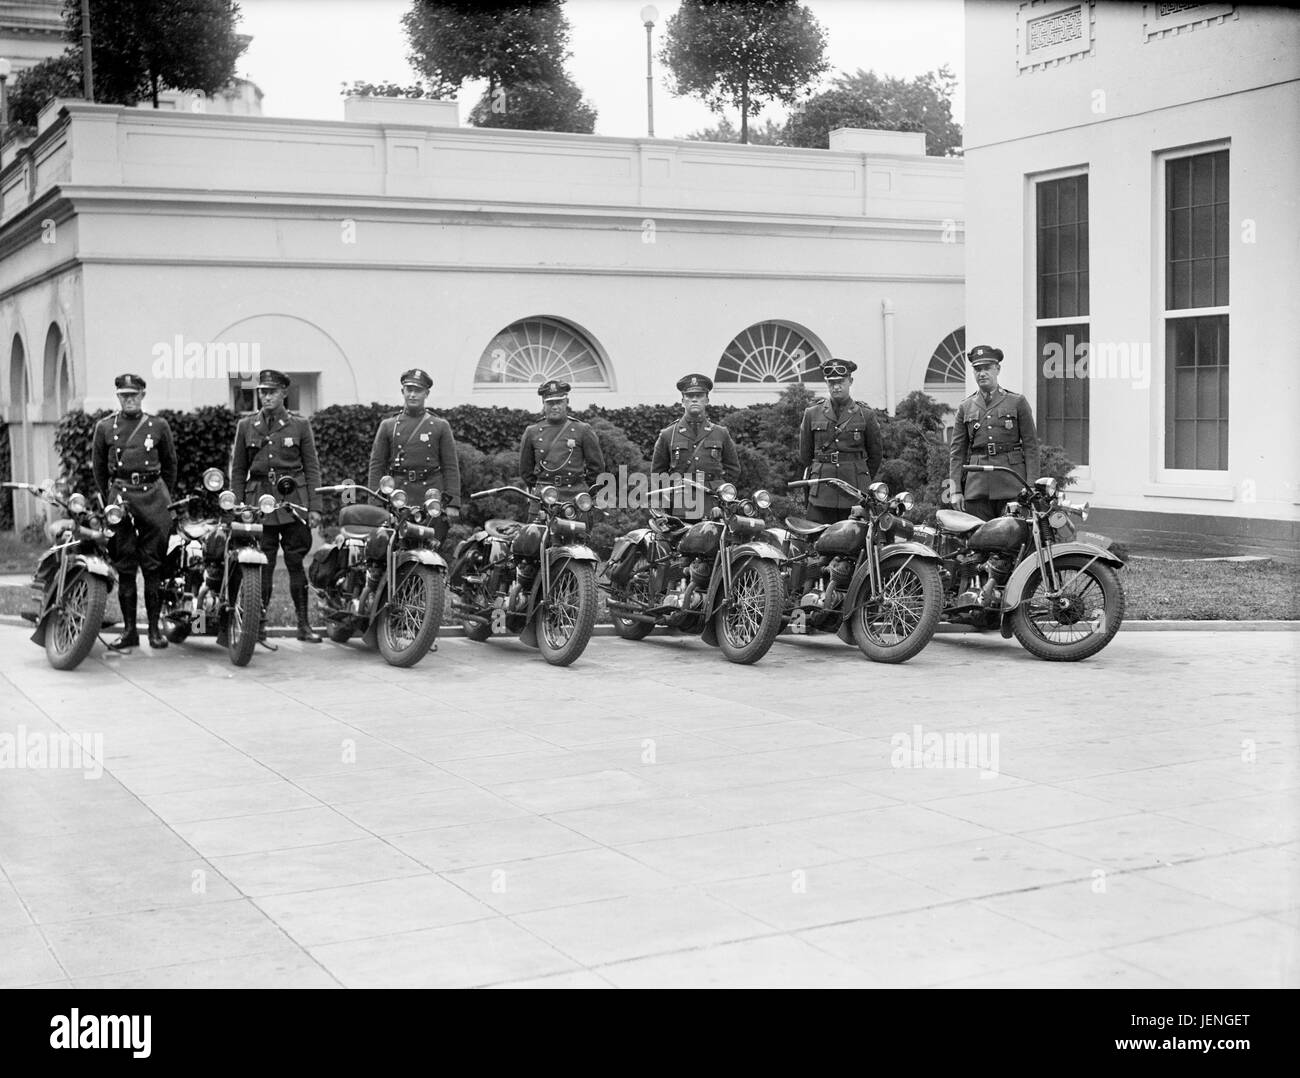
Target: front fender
[(712, 600), (919, 549), (247, 555), (861, 578), (98, 566), (1076, 553), (574, 551), (757, 549), (423, 557)]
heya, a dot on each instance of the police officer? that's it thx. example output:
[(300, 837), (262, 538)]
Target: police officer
[(559, 451), (270, 444), (417, 449), (994, 426), (695, 447), (838, 439), (132, 454)]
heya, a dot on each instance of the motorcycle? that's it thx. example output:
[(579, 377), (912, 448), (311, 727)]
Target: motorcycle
[(73, 577), (718, 578), (212, 574), (1025, 573), (383, 578), (863, 578), (535, 579)]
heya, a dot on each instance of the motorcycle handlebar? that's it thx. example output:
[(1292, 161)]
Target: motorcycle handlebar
[(501, 490)]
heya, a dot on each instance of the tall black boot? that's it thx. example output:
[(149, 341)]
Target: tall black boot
[(126, 599), (298, 589), (152, 608), (266, 602)]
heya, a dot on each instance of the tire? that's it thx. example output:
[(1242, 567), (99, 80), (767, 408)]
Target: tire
[(245, 615), (637, 594), (71, 632), (477, 597), (896, 625), (1041, 633), (750, 617), (568, 615), (412, 615), (339, 632)]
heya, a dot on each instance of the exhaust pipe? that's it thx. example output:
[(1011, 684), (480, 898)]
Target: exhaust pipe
[(628, 613)]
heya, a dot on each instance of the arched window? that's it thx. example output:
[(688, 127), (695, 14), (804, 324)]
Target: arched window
[(948, 364), (535, 350), (770, 352), (57, 384)]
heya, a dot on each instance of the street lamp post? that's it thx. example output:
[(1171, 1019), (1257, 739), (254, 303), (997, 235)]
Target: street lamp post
[(649, 14)]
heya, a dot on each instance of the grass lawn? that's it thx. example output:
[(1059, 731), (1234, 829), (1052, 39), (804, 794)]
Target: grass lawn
[(1154, 590)]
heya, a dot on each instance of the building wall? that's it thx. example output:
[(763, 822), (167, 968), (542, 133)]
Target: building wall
[(1140, 91)]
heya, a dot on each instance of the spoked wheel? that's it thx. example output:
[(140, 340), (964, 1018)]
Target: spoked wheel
[(896, 624), (414, 613), (1076, 623), (750, 617), (568, 614), (638, 594), (245, 615), (72, 629)]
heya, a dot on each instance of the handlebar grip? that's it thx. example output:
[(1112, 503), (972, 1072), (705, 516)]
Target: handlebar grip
[(979, 467)]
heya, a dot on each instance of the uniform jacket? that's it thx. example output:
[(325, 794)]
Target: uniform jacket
[(122, 445), (425, 444), (1001, 432), (269, 448), (855, 437), (566, 454), (708, 448)]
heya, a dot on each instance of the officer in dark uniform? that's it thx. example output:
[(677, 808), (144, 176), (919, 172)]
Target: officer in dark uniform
[(696, 449), (270, 444), (559, 451), (838, 439), (417, 449), (994, 426), (132, 454)]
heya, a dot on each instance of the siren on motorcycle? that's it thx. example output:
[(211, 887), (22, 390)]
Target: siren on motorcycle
[(213, 480), (114, 513)]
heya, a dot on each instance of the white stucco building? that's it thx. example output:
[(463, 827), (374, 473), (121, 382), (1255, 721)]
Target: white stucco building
[(1131, 198), (345, 252)]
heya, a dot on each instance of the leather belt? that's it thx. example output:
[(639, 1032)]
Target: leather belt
[(834, 456), (139, 480), (416, 475), (991, 450)]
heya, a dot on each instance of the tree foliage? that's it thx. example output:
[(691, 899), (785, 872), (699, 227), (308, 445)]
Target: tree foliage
[(744, 54), (866, 99), (769, 133), (59, 76), (361, 88), (557, 105), (140, 47)]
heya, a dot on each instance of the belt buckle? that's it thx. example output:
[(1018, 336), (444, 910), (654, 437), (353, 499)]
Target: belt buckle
[(990, 450), (135, 480), (835, 458), (412, 476)]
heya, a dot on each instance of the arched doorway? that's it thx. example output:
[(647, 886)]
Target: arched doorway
[(20, 429)]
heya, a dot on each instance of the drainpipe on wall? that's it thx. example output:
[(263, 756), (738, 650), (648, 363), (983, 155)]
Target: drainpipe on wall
[(887, 316)]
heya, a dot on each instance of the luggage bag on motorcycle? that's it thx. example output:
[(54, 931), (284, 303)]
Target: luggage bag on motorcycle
[(326, 566)]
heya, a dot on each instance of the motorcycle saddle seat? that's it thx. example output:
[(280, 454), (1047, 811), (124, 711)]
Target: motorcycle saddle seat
[(501, 528), (195, 529), (957, 522), (359, 521), (803, 526)]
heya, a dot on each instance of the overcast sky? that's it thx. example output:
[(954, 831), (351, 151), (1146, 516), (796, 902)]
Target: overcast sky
[(303, 50)]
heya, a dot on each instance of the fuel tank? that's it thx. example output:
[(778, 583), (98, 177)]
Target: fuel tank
[(528, 543), (701, 540), (1002, 533), (843, 538)]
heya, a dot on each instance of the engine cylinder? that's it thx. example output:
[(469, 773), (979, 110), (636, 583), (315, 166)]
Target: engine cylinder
[(701, 570), (841, 572)]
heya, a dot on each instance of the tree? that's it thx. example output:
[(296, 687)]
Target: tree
[(743, 54), (140, 47), (59, 76), (554, 106), (866, 99), (770, 134), (360, 88)]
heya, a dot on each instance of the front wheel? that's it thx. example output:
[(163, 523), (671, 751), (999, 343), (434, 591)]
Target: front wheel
[(895, 625), (568, 613), (245, 616), (411, 619), (1077, 622), (750, 616), (74, 626)]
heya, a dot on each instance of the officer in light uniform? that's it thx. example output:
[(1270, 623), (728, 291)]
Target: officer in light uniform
[(417, 449), (838, 438), (994, 426), (132, 455), (559, 451), (695, 448), (270, 444)]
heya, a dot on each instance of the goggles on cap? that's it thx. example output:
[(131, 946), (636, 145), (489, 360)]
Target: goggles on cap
[(835, 370)]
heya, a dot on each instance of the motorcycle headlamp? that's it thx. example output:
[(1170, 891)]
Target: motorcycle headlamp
[(113, 514), (904, 502), (266, 504), (432, 494), (433, 507), (726, 493), (747, 509), (227, 500), (583, 502), (763, 499), (247, 516), (549, 495), (77, 503), (213, 480), (397, 499), (1046, 485), (387, 485), (879, 493)]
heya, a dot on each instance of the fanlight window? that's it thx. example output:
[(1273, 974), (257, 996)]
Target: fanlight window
[(536, 350), (770, 352), (947, 365)]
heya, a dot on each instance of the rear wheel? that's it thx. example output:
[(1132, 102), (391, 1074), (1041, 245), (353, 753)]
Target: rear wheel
[(568, 614), (1076, 623), (896, 624), (476, 598), (72, 629), (340, 632), (245, 615), (750, 616), (411, 619), (638, 595)]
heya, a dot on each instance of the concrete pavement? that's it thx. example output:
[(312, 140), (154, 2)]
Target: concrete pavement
[(654, 815)]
